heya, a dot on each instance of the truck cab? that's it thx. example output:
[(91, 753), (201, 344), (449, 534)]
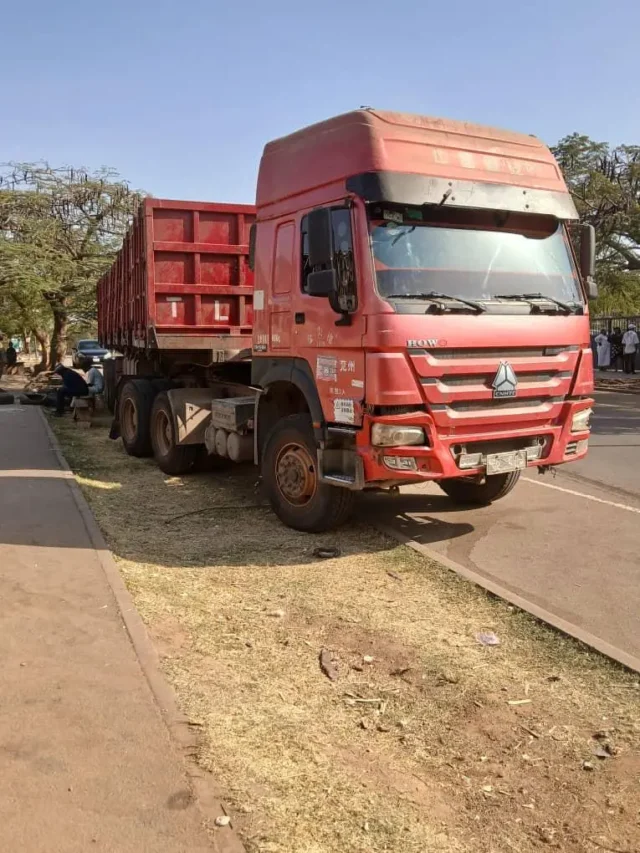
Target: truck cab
[(419, 312)]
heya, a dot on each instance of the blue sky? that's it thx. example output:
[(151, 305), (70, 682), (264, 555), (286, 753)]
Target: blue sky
[(181, 97)]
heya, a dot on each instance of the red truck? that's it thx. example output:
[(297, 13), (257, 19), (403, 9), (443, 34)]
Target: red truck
[(403, 304)]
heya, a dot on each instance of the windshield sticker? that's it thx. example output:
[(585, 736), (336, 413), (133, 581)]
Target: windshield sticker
[(392, 216), (327, 368), (344, 411)]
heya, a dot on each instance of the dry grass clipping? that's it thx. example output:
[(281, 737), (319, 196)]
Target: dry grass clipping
[(415, 746)]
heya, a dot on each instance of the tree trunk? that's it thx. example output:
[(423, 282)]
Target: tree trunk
[(26, 340), (60, 329), (45, 356)]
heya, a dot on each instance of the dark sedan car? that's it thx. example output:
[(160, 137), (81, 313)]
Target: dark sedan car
[(88, 350)]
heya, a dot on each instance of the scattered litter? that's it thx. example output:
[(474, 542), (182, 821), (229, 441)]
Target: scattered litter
[(394, 576), (328, 664), (488, 638), (368, 658), (223, 820), (588, 765), (546, 834), (530, 732), (382, 728), (278, 614), (601, 735), (326, 553), (351, 699), (519, 702), (402, 671), (601, 752), (487, 789)]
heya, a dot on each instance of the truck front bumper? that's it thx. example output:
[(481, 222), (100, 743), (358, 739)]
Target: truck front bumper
[(439, 458)]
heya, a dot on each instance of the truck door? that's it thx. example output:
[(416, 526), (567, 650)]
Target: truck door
[(332, 347), (282, 283)]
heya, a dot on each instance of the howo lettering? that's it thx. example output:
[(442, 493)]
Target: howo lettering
[(403, 304)]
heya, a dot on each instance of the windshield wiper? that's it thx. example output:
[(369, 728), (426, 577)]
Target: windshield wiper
[(403, 234), (530, 297), (440, 298)]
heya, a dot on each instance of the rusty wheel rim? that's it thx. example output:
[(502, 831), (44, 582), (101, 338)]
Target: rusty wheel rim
[(129, 420), (163, 433), (295, 471)]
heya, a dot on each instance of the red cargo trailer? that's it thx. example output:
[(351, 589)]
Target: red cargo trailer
[(181, 280)]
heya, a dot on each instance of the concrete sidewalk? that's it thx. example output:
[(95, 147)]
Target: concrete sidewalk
[(86, 762)]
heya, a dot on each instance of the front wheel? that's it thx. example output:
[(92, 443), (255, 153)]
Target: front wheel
[(290, 475), (466, 490)]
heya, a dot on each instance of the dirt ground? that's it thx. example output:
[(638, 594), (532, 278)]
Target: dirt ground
[(423, 738), (620, 382)]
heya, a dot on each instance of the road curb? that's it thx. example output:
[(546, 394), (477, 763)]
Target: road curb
[(628, 661), (225, 839)]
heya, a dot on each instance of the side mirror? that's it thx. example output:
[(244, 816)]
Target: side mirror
[(321, 283), (252, 247), (588, 259), (320, 238)]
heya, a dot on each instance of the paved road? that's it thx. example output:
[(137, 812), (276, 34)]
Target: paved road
[(86, 762), (569, 544)]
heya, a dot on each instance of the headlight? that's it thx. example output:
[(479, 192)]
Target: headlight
[(388, 435), (581, 420)]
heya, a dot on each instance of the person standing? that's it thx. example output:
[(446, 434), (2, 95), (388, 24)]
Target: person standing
[(615, 340), (630, 344), (12, 357), (604, 350)]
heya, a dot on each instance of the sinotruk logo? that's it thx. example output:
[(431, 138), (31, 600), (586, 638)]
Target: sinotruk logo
[(505, 383)]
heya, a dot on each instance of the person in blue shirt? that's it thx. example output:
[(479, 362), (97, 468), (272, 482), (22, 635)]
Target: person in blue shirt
[(73, 385)]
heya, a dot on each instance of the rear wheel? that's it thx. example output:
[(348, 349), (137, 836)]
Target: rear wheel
[(172, 458), (134, 413), (290, 473), (465, 490), (109, 392)]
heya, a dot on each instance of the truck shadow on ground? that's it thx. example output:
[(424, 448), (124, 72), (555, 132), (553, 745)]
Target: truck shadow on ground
[(203, 520), (412, 515)]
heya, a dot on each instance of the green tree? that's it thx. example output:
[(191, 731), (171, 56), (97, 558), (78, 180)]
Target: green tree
[(24, 314), (605, 184), (59, 231)]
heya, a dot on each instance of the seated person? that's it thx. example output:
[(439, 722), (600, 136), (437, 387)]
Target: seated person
[(73, 385), (94, 377)]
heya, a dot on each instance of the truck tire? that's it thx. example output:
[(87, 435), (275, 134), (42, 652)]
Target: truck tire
[(134, 413), (170, 457), (290, 468), (464, 490), (31, 398), (6, 398), (110, 391)]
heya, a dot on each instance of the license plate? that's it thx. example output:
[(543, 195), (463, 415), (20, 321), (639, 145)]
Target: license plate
[(502, 463)]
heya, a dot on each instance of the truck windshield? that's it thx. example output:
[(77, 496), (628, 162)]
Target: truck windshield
[(476, 255)]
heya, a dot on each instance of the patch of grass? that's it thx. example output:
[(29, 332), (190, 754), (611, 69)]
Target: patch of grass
[(415, 746)]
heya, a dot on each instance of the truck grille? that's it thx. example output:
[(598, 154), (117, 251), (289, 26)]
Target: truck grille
[(458, 386)]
